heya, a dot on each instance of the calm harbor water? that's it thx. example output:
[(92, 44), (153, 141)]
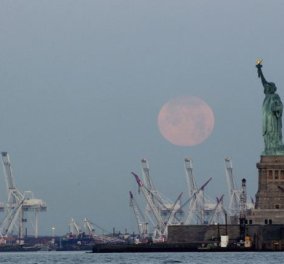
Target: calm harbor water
[(141, 258)]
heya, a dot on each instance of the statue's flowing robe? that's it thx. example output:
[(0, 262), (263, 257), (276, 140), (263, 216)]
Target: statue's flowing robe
[(272, 122)]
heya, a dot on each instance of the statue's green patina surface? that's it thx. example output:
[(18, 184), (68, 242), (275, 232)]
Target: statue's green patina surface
[(272, 109)]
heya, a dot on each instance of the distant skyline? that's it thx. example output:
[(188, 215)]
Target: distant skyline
[(82, 84)]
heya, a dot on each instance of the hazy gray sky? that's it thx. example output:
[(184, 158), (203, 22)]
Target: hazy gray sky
[(82, 83)]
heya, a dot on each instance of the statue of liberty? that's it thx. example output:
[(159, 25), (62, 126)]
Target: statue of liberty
[(272, 109)]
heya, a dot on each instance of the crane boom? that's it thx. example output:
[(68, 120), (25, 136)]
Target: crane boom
[(89, 227), (74, 227), (14, 195), (230, 175), (156, 214), (140, 219), (234, 192), (190, 177), (156, 197), (146, 173)]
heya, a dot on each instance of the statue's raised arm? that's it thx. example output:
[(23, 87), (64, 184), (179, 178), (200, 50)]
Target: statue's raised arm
[(259, 71)]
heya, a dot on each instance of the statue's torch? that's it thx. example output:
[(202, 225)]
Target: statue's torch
[(258, 66)]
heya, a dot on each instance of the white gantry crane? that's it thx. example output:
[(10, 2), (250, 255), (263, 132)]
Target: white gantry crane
[(17, 204), (89, 227), (74, 228), (139, 216), (201, 207), (160, 232), (190, 180), (155, 196), (235, 193)]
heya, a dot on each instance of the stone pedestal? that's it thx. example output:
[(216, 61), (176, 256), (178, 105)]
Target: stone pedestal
[(269, 206)]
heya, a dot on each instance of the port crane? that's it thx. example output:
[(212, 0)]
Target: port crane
[(140, 218), (190, 179), (200, 206), (235, 193), (152, 192), (146, 173), (14, 206), (89, 227), (161, 230), (74, 228), (18, 203), (90, 231)]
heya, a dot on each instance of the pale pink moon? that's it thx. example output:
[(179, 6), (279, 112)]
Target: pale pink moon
[(186, 121)]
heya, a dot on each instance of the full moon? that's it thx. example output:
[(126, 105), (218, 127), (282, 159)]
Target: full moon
[(186, 121)]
